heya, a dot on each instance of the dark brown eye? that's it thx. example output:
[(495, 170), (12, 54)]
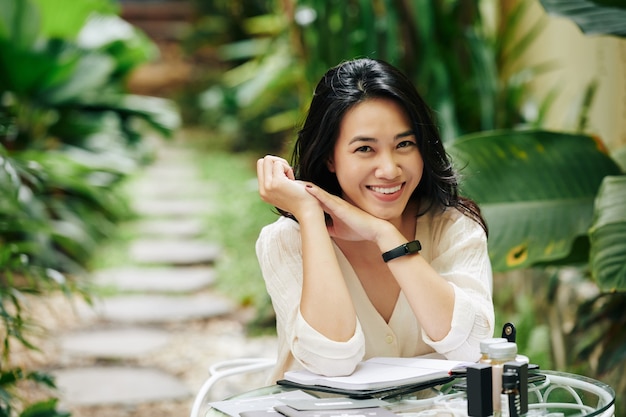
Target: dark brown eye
[(405, 144)]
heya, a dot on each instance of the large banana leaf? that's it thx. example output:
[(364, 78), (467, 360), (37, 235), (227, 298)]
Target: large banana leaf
[(61, 21), (128, 46), (160, 114), (593, 17), (19, 23), (90, 72), (536, 190), (608, 235)]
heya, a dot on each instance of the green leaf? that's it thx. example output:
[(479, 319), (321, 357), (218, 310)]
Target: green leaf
[(21, 70), (244, 49), (54, 73), (60, 20), (9, 179), (126, 44), (536, 190), (161, 114), (599, 328), (19, 22), (41, 378), (608, 235), (268, 24), (90, 73), (593, 17), (46, 408)]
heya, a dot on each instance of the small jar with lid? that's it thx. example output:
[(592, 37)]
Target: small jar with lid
[(499, 353), (484, 348)]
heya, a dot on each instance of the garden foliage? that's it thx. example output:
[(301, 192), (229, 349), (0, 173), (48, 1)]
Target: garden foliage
[(69, 134)]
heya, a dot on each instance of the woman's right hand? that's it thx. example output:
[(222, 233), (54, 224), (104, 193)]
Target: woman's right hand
[(348, 221), (278, 186)]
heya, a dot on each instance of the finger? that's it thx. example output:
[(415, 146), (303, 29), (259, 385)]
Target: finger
[(287, 169), (259, 170), (268, 171), (270, 163), (290, 173), (260, 174), (280, 169), (267, 175), (263, 174)]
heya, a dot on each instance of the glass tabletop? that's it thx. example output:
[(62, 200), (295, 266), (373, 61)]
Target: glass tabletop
[(559, 395)]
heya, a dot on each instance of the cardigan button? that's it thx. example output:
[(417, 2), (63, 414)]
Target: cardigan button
[(389, 339)]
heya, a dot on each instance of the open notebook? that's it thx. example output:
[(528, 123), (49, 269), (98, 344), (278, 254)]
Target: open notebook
[(380, 373)]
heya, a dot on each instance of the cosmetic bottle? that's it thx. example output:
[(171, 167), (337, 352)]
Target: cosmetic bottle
[(510, 398), (484, 348), (520, 369), (500, 353)]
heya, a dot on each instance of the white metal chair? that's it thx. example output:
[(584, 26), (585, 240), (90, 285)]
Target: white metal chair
[(224, 369)]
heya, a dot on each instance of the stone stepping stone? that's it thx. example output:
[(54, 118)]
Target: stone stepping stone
[(175, 158), (159, 308), (182, 228), (166, 152), (102, 385), (179, 171), (172, 207), (170, 188), (115, 343), (173, 252), (156, 279)]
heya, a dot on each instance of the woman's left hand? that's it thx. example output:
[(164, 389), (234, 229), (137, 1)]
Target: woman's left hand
[(348, 221)]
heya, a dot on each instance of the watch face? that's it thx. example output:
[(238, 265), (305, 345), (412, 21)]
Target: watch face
[(413, 246)]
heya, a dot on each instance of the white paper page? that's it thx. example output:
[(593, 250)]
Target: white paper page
[(381, 372), (420, 362)]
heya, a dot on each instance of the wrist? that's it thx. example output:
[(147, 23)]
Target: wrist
[(388, 237), (404, 249), (310, 214)]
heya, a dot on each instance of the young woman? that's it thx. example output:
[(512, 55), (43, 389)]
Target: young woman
[(375, 253)]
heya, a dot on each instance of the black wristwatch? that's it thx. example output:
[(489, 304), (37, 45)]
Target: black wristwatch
[(406, 249)]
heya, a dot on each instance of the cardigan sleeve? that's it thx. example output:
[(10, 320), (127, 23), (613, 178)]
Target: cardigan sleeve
[(461, 257), (279, 251)]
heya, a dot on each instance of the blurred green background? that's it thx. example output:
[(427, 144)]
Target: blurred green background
[(530, 105)]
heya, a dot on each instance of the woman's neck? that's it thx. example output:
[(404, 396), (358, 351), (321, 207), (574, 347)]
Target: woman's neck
[(408, 221)]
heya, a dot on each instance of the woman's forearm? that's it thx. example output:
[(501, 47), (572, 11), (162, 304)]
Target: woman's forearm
[(430, 296), (326, 303)]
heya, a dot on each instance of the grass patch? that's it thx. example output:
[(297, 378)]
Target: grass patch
[(237, 218), (235, 222)]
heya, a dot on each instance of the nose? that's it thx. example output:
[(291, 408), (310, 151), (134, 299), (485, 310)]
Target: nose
[(387, 168)]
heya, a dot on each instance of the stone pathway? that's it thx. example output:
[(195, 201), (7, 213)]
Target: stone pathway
[(144, 350)]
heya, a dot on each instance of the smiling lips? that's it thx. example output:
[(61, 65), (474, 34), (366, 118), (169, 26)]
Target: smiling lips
[(386, 190)]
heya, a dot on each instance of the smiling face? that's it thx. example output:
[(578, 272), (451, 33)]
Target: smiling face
[(376, 158)]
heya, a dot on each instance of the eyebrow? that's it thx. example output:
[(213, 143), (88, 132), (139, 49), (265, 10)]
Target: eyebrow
[(368, 139), (405, 134)]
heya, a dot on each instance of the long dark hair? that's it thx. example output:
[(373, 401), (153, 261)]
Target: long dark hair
[(351, 83)]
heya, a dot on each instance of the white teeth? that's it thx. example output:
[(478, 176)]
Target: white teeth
[(386, 190)]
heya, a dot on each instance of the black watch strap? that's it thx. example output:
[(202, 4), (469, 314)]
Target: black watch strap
[(406, 249)]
